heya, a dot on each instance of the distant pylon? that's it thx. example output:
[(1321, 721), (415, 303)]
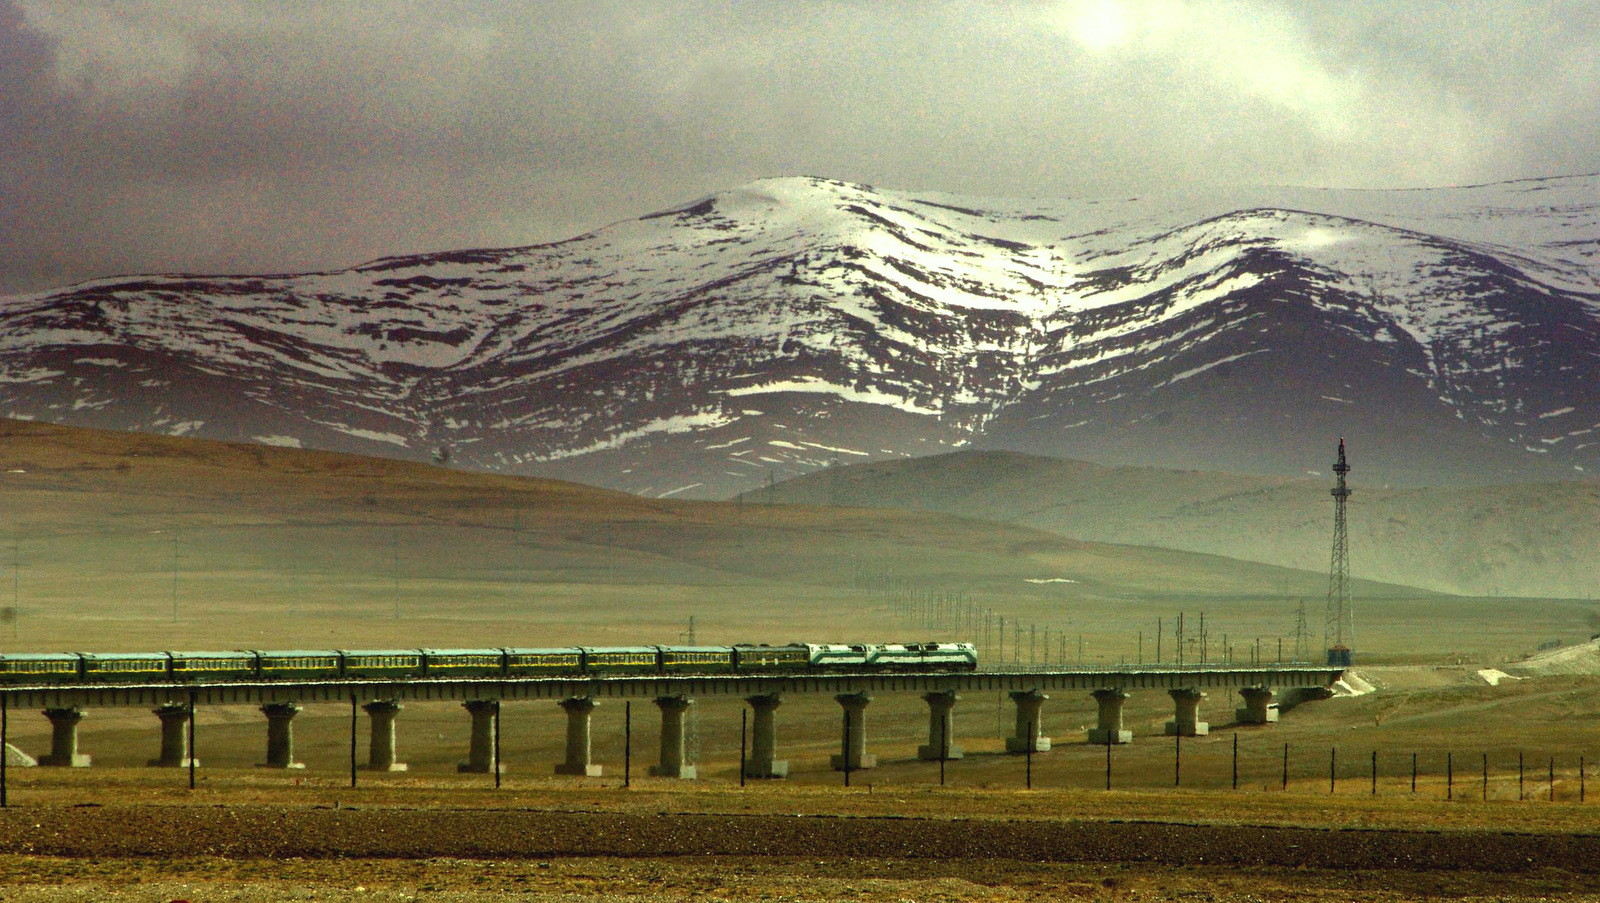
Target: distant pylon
[(1302, 635), (1339, 632)]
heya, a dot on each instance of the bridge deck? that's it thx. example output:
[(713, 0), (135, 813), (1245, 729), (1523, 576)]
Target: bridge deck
[(654, 685)]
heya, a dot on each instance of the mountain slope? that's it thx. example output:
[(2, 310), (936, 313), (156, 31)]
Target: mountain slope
[(1516, 539), (766, 330)]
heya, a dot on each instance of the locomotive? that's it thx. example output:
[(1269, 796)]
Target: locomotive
[(510, 662)]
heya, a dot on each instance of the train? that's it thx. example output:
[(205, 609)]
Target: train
[(74, 668)]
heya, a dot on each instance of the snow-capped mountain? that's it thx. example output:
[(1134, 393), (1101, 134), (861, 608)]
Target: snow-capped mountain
[(775, 328)]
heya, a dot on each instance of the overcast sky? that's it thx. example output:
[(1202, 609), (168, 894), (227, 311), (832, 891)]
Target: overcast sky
[(251, 136)]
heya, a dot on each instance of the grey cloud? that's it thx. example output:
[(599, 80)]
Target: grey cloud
[(230, 136)]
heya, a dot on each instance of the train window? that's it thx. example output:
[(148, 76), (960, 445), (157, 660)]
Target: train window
[(58, 667)]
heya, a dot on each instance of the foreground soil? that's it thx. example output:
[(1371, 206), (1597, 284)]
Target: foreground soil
[(275, 851)]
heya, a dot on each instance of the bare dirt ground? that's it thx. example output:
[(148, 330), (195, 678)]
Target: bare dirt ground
[(274, 852)]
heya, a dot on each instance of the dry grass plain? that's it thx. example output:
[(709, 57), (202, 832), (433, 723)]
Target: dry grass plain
[(280, 548)]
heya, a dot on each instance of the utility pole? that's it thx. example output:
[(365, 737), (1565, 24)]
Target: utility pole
[(174, 576), (1302, 635)]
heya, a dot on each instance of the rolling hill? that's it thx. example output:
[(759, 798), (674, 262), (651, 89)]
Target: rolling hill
[(152, 538)]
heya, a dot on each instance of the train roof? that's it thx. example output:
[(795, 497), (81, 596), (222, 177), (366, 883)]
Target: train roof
[(542, 650), (380, 651), (495, 651), (125, 656), (295, 653), (619, 648), (206, 653), (38, 656), (769, 645), (695, 648)]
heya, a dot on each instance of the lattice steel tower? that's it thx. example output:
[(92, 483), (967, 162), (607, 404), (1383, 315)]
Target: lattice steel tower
[(1339, 634)]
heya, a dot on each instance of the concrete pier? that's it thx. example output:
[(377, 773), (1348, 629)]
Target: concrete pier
[(64, 739), (1258, 706), (1109, 727), (764, 761), (1186, 719), (174, 737), (280, 735), (941, 727), (672, 765), (853, 746), (481, 751), (1029, 726), (380, 751), (578, 744)]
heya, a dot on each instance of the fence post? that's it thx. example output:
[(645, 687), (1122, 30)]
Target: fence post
[(192, 753), (1413, 772), (1519, 776), (352, 740), (1108, 760), (847, 747), (1177, 760), (1031, 730), (1236, 760), (1333, 768), (944, 746), (497, 743), (1486, 777), (627, 743), (1374, 772), (744, 721), (1449, 776), (1580, 779), (1285, 766), (4, 717), (1552, 779)]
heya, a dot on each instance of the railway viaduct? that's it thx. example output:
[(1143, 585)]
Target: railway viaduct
[(174, 703)]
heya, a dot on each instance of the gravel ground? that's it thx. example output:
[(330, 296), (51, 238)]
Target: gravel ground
[(251, 852)]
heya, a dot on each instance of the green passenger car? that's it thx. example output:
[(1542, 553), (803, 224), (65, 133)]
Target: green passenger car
[(621, 660), (696, 659), (203, 666), (762, 659), (41, 668), (125, 667), (299, 664), (381, 664), (544, 662), (447, 663)]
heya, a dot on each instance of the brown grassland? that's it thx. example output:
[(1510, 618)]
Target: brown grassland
[(139, 543)]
